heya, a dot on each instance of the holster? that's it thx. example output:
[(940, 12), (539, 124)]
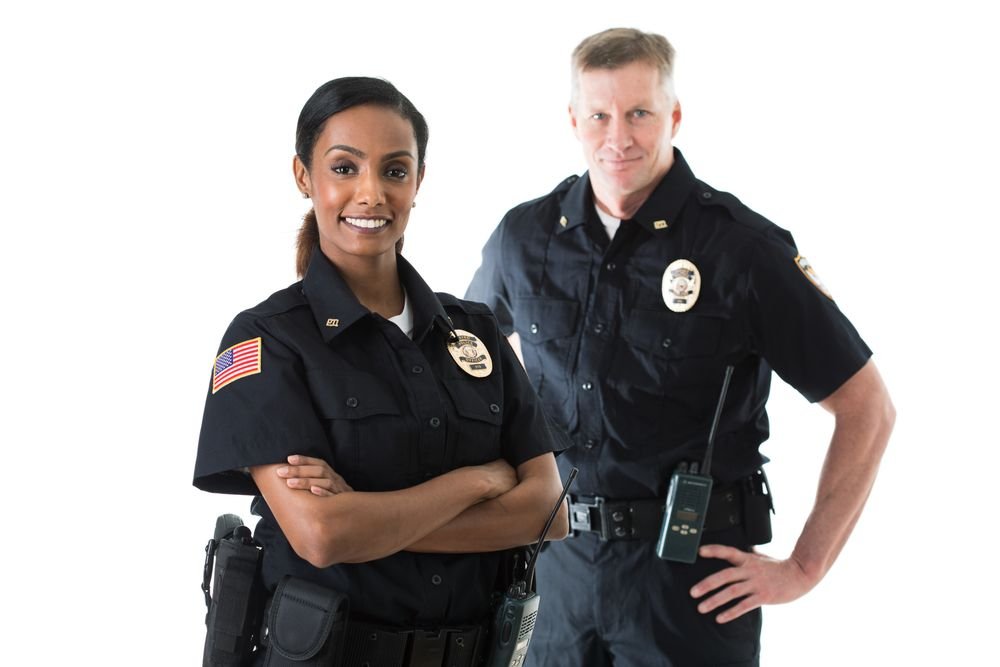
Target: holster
[(758, 505), (306, 625), (232, 593)]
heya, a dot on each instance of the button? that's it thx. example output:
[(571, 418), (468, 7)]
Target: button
[(494, 408), (533, 328), (587, 386), (598, 328), (706, 195), (436, 580), (620, 531), (611, 266), (666, 343), (675, 528), (352, 402), (589, 444), (693, 531), (434, 422), (618, 516), (417, 370)]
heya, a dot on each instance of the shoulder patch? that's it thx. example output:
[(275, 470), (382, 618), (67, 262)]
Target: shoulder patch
[(236, 362), (809, 272)]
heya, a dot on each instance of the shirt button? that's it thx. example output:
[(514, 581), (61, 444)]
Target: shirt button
[(589, 444), (434, 422), (494, 408), (436, 579), (417, 370), (706, 195), (533, 328), (598, 328), (352, 402), (610, 266), (666, 343), (587, 386)]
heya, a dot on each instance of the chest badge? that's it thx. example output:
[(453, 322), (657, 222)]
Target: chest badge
[(470, 354), (681, 285)]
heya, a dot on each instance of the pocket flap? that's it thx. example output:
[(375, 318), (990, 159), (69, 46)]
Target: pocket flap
[(302, 617), (539, 319), (471, 404), (352, 395), (673, 335)]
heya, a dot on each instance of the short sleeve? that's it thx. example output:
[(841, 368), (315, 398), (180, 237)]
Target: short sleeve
[(527, 431), (488, 285), (261, 417), (795, 325)]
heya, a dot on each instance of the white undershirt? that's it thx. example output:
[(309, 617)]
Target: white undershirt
[(610, 222), (405, 319)]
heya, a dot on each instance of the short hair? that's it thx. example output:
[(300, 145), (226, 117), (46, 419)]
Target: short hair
[(618, 47)]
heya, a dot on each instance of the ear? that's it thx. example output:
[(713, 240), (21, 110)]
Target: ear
[(572, 121), (675, 120), (301, 174), (420, 176)]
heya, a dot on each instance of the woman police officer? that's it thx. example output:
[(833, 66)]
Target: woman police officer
[(415, 398)]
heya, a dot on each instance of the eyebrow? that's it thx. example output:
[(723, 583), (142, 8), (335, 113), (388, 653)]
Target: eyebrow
[(361, 154)]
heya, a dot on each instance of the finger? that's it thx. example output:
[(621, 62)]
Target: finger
[(742, 607), (320, 491), (315, 472), (721, 578), (299, 459), (306, 483), (732, 554), (724, 596)]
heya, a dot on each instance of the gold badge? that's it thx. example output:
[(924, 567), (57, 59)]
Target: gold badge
[(809, 272), (660, 224), (681, 285), (563, 221), (333, 322), (470, 354)]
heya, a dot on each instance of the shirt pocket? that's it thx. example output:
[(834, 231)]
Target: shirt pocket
[(371, 445), (547, 328), (478, 403)]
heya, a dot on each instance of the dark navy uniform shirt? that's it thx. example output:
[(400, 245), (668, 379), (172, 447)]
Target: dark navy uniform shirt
[(634, 384), (341, 383)]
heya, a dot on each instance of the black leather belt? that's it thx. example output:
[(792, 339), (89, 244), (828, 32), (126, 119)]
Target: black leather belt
[(378, 646), (641, 519)]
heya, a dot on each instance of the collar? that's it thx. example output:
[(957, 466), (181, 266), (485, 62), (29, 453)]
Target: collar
[(335, 308), (657, 214)]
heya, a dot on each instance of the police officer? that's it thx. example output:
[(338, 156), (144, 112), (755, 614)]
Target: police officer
[(414, 397), (629, 290)]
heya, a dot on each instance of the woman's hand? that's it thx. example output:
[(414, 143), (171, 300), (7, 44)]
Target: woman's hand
[(313, 475), (500, 477)]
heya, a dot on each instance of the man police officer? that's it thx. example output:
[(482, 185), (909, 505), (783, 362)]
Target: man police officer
[(629, 290)]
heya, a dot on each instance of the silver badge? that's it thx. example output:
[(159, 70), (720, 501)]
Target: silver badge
[(681, 285)]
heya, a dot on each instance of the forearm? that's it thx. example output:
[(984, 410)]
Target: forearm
[(354, 527), (859, 440), (511, 520)]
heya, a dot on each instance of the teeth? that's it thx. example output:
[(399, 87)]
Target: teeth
[(366, 222)]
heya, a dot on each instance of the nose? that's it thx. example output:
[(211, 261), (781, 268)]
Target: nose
[(369, 189), (619, 135)]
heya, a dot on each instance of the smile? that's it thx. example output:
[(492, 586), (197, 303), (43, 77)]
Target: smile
[(367, 223)]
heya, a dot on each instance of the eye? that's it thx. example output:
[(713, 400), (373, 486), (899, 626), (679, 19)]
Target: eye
[(398, 173), (342, 168), (598, 116), (640, 113)]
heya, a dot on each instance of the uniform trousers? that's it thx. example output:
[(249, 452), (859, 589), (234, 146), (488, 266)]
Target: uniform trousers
[(617, 603)]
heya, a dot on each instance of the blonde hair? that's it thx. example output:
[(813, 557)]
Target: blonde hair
[(618, 47)]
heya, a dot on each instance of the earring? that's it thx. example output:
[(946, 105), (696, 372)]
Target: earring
[(305, 195), (414, 204)]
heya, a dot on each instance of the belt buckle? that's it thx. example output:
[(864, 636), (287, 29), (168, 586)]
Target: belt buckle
[(580, 518)]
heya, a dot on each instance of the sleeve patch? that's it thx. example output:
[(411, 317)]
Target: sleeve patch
[(236, 362), (809, 272)]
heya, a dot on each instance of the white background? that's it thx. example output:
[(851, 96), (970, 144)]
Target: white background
[(147, 197)]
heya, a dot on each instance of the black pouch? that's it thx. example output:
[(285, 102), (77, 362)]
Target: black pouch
[(234, 596), (757, 508), (306, 625)]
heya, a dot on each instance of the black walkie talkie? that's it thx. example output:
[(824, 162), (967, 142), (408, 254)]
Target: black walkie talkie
[(515, 618), (687, 499)]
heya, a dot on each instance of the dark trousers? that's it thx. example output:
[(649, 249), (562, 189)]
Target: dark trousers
[(616, 603)]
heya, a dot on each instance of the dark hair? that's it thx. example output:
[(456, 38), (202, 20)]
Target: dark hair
[(332, 98)]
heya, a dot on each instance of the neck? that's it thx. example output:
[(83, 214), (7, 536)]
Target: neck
[(374, 282)]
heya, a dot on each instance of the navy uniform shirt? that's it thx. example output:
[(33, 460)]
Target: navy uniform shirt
[(336, 381), (634, 384)]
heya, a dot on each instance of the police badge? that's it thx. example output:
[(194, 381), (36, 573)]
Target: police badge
[(681, 285), (470, 354)]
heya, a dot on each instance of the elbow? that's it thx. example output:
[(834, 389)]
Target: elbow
[(560, 525), (316, 544)]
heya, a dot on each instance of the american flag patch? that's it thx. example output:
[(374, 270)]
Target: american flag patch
[(236, 362)]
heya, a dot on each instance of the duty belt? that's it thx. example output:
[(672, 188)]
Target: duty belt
[(641, 519), (378, 646)]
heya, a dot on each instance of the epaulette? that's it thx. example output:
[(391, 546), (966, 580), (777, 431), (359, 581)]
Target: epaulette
[(738, 211), (467, 307), (565, 184), (280, 302)]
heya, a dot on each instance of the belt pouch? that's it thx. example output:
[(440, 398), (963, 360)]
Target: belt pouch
[(233, 616), (306, 625), (757, 508)]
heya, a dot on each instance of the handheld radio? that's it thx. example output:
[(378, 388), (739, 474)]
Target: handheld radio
[(688, 497), (515, 617)]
